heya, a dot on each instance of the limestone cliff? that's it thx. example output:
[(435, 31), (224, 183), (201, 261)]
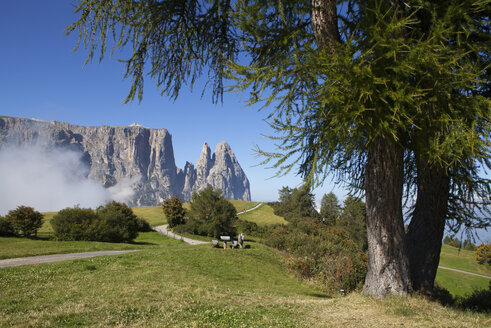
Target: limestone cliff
[(117, 153)]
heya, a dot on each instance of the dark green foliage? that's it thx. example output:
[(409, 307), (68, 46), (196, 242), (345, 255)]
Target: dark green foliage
[(246, 227), (114, 222), (75, 224), (409, 76), (25, 220), (295, 203), (143, 225), (118, 223), (211, 215), (452, 241), (478, 301), (6, 228), (330, 209), (174, 211), (323, 254), (469, 246), (353, 219)]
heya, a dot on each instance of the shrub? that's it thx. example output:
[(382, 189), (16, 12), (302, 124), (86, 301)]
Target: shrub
[(322, 254), (114, 222), (117, 223), (211, 215), (6, 228), (483, 254), (174, 211), (479, 300), (25, 220), (143, 225), (246, 227), (469, 246), (74, 224)]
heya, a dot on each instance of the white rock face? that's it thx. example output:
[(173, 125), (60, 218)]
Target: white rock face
[(114, 154), (222, 171)]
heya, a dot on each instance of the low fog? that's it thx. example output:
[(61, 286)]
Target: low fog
[(50, 180)]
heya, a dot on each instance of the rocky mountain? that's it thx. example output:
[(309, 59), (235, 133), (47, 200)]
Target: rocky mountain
[(114, 154)]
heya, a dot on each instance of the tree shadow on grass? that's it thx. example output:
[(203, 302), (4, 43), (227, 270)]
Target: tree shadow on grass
[(141, 243), (319, 295), (477, 301)]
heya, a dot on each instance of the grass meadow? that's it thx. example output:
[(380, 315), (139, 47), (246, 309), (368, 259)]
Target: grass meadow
[(460, 283), (168, 283), (171, 284)]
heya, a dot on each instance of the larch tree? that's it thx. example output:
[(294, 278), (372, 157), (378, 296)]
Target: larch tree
[(375, 92), (330, 209)]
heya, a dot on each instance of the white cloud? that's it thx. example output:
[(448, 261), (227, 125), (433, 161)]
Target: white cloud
[(50, 180)]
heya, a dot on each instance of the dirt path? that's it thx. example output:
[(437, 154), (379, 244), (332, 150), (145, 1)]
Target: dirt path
[(474, 274), (163, 229), (55, 258), (251, 209)]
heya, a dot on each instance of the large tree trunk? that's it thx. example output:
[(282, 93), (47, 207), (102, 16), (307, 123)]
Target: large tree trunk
[(325, 24), (425, 233), (388, 269)]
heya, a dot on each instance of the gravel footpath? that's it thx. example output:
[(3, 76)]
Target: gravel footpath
[(163, 230), (474, 274), (55, 258)]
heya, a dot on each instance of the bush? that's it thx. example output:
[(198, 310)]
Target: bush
[(114, 222), (25, 220), (322, 254), (6, 228), (143, 225), (483, 254), (246, 227), (75, 224), (211, 215), (118, 223), (478, 300), (174, 211)]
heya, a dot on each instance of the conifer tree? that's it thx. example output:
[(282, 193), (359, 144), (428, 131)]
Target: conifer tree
[(376, 92), (330, 209)]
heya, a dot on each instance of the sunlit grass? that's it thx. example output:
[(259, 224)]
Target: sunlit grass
[(460, 283), (11, 247), (172, 284), (263, 215)]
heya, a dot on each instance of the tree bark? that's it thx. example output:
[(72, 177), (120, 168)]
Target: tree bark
[(425, 232), (388, 268), (325, 24)]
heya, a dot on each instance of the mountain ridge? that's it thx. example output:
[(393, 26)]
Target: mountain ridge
[(135, 152)]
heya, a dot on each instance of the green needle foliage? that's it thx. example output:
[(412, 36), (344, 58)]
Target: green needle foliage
[(173, 211), (368, 90)]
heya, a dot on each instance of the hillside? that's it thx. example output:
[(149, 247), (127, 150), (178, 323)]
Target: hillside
[(171, 284), (460, 283)]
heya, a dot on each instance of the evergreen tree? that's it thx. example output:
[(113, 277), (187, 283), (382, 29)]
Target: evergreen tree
[(173, 211), (296, 203), (377, 92), (330, 209), (353, 219)]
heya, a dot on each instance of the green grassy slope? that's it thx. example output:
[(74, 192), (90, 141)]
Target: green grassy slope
[(171, 284), (460, 283), (262, 216), (11, 247)]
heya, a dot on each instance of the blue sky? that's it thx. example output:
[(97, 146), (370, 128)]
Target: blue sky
[(42, 78)]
